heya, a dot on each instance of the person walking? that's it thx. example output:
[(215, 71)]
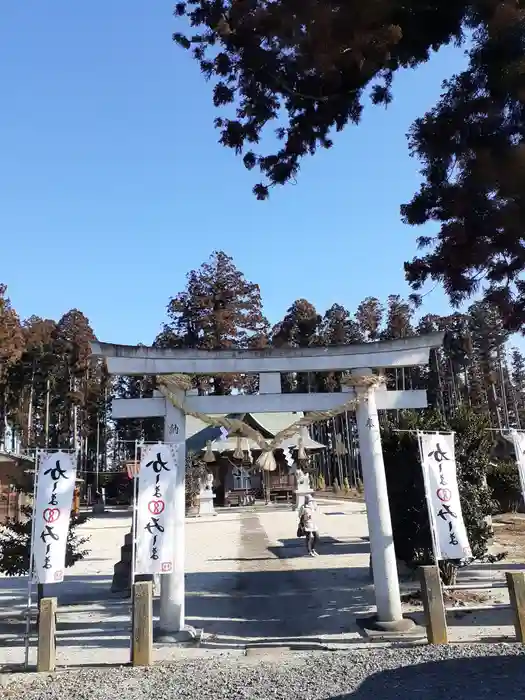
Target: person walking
[(308, 524)]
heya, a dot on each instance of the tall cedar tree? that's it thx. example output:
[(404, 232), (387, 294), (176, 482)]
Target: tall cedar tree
[(219, 310), (398, 319), (369, 316), (31, 378), (298, 329), (53, 395), (518, 385), (337, 328), (71, 346), (11, 345)]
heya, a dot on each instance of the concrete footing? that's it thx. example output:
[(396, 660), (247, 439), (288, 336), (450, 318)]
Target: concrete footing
[(188, 636), (402, 629)]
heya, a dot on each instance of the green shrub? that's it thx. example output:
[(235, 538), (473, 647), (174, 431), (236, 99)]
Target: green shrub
[(503, 478), (15, 544)]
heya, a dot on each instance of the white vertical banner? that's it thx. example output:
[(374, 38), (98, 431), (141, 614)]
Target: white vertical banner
[(156, 509), (438, 460), (51, 512), (518, 439)]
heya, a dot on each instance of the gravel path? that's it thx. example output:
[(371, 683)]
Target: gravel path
[(435, 673)]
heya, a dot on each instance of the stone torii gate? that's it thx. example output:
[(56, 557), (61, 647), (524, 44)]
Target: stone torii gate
[(269, 364)]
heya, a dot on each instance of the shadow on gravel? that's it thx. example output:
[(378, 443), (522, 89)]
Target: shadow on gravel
[(466, 678), (296, 547), (113, 512), (73, 590), (107, 625), (282, 606), (489, 618), (291, 608)]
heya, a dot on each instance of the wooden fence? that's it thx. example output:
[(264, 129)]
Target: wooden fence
[(142, 649), (436, 612)]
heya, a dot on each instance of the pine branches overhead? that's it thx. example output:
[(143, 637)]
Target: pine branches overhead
[(304, 67), (307, 64)]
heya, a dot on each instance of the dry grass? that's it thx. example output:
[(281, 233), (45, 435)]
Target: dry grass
[(456, 599), (509, 536)]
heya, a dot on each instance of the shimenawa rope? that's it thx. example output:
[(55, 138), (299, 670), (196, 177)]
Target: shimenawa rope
[(266, 460)]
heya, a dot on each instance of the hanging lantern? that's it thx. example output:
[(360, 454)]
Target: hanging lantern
[(209, 456), (267, 462), (238, 453), (301, 452)]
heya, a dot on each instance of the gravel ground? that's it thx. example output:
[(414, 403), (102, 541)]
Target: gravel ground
[(455, 672)]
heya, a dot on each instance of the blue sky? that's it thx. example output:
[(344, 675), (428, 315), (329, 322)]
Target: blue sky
[(114, 186)]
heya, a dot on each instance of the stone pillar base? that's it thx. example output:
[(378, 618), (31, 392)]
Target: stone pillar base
[(405, 628), (206, 506), (188, 636)]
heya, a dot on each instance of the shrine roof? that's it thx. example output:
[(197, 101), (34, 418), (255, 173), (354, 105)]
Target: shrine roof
[(273, 423), (198, 432)]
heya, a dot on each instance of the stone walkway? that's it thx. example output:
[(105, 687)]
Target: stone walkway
[(259, 586), (248, 583)]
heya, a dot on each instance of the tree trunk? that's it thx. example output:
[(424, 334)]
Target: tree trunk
[(3, 411), (46, 422)]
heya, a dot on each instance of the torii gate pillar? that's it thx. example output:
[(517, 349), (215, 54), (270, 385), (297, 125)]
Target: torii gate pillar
[(389, 616), (172, 588)]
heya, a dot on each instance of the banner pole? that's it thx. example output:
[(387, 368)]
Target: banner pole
[(134, 517), (31, 563), (134, 541), (432, 522), (519, 457)]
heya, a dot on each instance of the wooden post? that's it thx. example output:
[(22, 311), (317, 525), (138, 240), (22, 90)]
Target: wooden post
[(18, 505), (142, 624), (46, 658), (516, 585), (39, 598), (432, 595)]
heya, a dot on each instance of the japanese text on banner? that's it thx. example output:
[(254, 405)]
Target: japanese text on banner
[(518, 438), (52, 510), (156, 509), (446, 519)]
